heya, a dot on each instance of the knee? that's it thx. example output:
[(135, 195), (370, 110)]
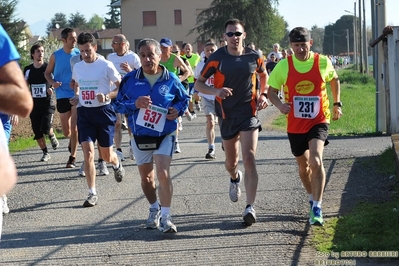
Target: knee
[(315, 163)]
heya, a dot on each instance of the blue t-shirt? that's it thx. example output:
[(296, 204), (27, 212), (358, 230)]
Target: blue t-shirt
[(8, 52), (63, 72)]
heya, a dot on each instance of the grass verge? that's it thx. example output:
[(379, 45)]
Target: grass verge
[(24, 143)]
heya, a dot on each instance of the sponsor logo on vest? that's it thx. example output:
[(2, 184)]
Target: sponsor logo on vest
[(304, 87)]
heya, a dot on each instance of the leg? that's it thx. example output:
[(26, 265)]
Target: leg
[(249, 142), (318, 175), (165, 190), (148, 181), (74, 131), (90, 171), (305, 171)]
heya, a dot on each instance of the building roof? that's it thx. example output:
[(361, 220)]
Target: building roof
[(98, 34)]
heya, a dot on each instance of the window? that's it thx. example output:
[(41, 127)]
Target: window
[(178, 17), (149, 18)]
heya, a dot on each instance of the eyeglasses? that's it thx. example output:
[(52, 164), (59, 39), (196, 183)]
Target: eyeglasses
[(230, 34), (175, 52), (115, 42)]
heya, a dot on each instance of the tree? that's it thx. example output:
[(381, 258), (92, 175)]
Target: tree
[(77, 20), (59, 20), (335, 37), (114, 22), (95, 23), (263, 25), (318, 37), (13, 26)]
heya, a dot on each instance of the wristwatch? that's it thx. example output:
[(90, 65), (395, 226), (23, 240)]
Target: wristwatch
[(339, 104), (106, 97)]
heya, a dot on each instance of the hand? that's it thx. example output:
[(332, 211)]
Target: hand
[(224, 92), (74, 100), (50, 91), (125, 67), (172, 113), (285, 108), (337, 113), (57, 84), (101, 97), (143, 102), (262, 103)]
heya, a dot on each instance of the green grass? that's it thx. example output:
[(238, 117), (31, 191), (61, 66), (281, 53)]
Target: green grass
[(21, 144)]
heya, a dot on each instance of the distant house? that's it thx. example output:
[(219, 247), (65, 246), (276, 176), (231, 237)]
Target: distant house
[(104, 38), (159, 18)]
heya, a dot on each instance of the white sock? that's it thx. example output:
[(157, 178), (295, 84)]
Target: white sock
[(116, 166), (154, 205), (316, 204), (165, 210), (93, 191)]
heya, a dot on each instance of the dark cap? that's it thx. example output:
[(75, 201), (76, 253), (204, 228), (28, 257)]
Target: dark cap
[(165, 42), (299, 34)]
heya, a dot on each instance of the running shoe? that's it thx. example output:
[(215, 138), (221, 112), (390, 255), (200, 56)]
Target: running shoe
[(82, 170), (71, 162), (46, 156), (120, 155), (316, 217), (54, 142), (198, 107), (249, 215), (235, 191), (119, 173), (166, 225), (6, 210), (102, 168), (177, 147), (189, 116), (210, 154), (91, 200), (153, 218)]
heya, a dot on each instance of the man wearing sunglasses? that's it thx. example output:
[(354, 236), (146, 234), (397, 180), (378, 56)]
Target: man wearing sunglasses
[(234, 69)]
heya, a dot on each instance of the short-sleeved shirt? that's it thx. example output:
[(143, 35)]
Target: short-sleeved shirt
[(239, 74)]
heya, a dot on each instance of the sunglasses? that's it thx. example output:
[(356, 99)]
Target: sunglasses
[(230, 34), (115, 42), (175, 52)]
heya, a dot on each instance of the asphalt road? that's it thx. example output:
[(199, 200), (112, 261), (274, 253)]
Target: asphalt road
[(47, 224)]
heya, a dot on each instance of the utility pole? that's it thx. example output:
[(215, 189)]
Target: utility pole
[(333, 45), (355, 35), (347, 43), (365, 46), (360, 38)]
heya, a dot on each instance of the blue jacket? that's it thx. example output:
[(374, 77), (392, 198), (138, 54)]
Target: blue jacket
[(166, 92)]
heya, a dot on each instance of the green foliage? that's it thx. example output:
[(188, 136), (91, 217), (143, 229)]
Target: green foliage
[(317, 36), (12, 25), (59, 20), (263, 25), (77, 20), (114, 20), (95, 23), (335, 41)]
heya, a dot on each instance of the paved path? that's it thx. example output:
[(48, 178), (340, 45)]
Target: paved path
[(47, 224)]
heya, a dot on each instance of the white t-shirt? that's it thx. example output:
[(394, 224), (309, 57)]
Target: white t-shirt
[(129, 57), (208, 82), (3, 146), (94, 78)]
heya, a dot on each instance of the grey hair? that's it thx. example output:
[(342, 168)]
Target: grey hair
[(149, 42)]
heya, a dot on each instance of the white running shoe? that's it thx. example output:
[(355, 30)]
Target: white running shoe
[(235, 191)]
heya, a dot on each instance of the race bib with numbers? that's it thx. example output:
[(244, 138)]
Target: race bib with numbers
[(88, 96), (306, 107), (38, 90), (153, 117)]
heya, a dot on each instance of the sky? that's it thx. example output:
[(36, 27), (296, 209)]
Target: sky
[(306, 13)]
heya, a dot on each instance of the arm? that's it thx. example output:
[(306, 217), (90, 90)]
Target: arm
[(15, 97), (284, 108), (183, 67), (49, 71), (262, 100), (202, 87), (336, 93)]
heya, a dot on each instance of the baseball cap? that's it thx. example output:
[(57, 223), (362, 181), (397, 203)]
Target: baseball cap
[(165, 42)]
